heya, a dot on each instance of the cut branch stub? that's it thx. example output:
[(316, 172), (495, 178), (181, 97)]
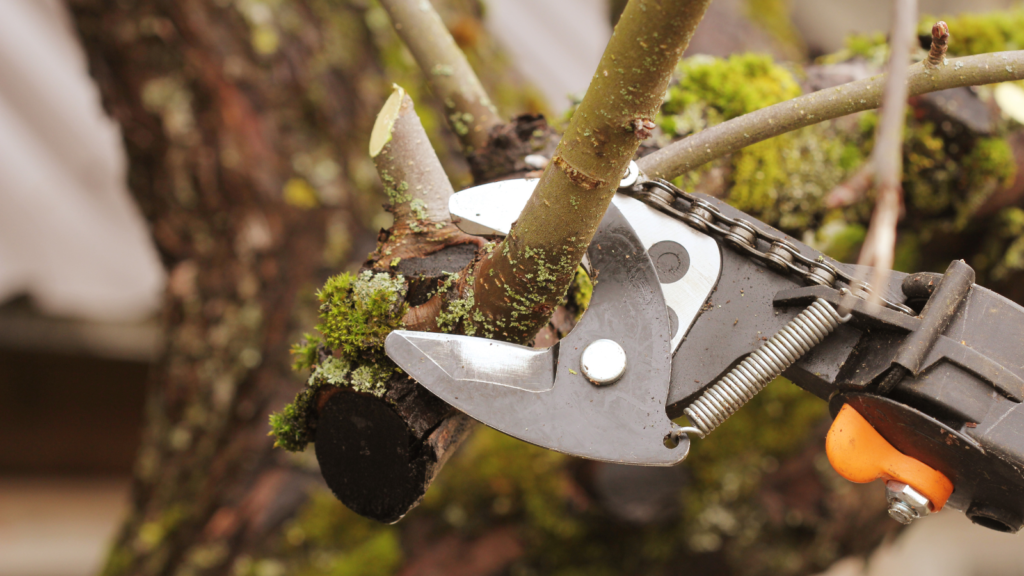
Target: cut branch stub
[(414, 180), (468, 109), (518, 286), (415, 183)]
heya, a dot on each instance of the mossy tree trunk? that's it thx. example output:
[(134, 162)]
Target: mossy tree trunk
[(246, 126)]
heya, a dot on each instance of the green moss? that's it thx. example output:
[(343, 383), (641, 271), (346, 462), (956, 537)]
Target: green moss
[(581, 290), (419, 209), (970, 34), (1003, 250), (732, 87), (358, 312), (305, 352), (457, 311), (780, 180), (289, 427), (981, 33), (356, 315)]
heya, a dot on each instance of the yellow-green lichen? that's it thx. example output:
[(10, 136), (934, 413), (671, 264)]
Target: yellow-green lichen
[(356, 315)]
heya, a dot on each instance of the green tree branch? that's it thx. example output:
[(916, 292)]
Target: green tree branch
[(517, 286), (693, 151), (468, 109)]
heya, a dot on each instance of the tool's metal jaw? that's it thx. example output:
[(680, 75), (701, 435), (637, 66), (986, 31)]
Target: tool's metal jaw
[(600, 392)]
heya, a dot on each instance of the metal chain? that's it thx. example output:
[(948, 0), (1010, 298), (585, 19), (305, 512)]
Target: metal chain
[(781, 254)]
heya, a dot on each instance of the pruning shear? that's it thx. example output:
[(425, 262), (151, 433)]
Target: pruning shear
[(697, 306)]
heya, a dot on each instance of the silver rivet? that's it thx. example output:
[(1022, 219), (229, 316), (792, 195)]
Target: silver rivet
[(603, 362)]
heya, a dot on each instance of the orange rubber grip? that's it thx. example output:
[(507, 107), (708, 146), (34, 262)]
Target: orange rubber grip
[(859, 453)]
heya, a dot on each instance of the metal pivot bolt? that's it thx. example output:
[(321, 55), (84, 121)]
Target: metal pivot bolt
[(905, 503), (603, 362)]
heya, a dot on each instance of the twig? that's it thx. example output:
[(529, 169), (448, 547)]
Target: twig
[(468, 109), (693, 151), (887, 156), (417, 186)]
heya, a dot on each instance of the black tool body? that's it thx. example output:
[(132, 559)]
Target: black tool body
[(956, 403)]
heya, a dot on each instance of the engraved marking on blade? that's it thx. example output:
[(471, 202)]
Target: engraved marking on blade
[(487, 361)]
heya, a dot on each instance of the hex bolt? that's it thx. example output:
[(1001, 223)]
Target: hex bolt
[(905, 503), (603, 362)]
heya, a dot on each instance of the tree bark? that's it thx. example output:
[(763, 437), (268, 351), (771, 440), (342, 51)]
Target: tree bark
[(241, 124)]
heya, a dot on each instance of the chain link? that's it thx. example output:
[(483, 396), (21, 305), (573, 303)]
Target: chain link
[(781, 254)]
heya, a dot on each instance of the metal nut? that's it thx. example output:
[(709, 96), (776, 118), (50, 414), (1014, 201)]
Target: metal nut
[(905, 503)]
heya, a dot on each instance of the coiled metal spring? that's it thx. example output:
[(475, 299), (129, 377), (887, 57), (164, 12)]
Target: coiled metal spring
[(763, 365)]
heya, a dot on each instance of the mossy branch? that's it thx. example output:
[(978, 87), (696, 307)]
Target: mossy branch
[(518, 286), (693, 151), (468, 109)]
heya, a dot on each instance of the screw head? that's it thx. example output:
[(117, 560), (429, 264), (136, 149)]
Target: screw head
[(603, 362)]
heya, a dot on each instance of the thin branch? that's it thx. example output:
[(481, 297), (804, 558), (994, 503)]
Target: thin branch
[(853, 189), (693, 151), (517, 286), (468, 109), (887, 156)]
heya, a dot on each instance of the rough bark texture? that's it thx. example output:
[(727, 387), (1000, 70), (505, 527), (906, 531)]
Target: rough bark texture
[(239, 121)]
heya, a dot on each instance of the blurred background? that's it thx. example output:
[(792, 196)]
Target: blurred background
[(83, 314)]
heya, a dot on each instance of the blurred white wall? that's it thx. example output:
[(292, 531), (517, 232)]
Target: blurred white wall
[(556, 44), (70, 235)]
